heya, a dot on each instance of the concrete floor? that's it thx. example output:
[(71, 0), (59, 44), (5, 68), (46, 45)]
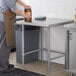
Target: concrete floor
[(39, 67)]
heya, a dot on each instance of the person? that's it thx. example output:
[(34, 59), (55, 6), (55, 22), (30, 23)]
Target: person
[(8, 11)]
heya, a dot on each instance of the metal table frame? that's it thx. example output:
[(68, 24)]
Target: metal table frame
[(49, 23), (69, 30)]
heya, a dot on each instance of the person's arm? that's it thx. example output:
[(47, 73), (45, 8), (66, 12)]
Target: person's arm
[(18, 12), (12, 5), (23, 4)]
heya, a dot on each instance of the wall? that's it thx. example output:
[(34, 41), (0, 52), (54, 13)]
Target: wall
[(54, 8), (62, 9)]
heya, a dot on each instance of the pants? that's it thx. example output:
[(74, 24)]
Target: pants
[(4, 50)]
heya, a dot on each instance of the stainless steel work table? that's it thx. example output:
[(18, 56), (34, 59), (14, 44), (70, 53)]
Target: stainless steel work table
[(48, 23), (70, 48)]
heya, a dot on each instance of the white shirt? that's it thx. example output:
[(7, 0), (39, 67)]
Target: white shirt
[(1, 15)]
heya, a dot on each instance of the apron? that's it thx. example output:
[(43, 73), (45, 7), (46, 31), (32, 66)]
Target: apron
[(9, 24)]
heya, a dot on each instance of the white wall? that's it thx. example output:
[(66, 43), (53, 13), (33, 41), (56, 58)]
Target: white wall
[(54, 8), (62, 9)]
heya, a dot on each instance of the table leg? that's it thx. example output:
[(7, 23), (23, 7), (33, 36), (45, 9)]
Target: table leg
[(48, 42), (71, 74), (22, 44), (41, 44), (67, 50)]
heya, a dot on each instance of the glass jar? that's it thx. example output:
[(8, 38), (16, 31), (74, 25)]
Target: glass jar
[(75, 16), (28, 11)]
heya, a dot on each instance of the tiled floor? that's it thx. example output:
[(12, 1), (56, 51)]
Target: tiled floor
[(39, 67)]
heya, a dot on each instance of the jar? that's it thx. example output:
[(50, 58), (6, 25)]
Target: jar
[(75, 16), (28, 11)]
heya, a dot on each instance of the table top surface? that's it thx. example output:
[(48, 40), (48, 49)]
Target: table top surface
[(71, 26), (45, 23)]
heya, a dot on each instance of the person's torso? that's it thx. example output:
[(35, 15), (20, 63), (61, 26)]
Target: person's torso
[(3, 7), (1, 15)]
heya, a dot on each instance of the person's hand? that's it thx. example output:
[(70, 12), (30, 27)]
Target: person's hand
[(28, 17)]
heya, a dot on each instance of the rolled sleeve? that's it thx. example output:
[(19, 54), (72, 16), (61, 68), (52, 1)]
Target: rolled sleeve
[(11, 4)]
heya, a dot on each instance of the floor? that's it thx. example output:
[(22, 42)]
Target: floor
[(39, 67)]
